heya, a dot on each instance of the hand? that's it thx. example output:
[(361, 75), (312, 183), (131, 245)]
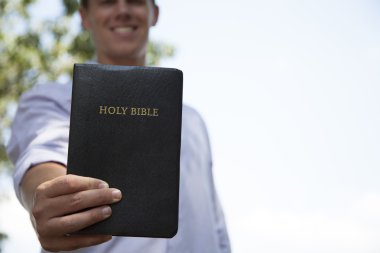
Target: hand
[(67, 204)]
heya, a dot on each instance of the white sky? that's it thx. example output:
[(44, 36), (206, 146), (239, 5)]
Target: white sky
[(290, 92)]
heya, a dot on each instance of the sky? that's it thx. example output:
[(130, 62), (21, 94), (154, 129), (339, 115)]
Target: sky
[(289, 90)]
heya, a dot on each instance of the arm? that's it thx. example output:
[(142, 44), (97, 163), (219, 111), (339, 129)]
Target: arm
[(224, 241), (221, 227), (56, 202)]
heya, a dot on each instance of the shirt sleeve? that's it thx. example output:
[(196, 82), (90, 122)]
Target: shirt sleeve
[(221, 227), (224, 241), (39, 130)]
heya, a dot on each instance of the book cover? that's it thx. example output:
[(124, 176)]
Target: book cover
[(125, 128)]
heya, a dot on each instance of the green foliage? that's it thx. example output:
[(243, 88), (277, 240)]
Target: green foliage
[(71, 7), (3, 236), (33, 52), (157, 51)]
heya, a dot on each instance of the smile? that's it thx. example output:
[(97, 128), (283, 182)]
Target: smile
[(124, 29)]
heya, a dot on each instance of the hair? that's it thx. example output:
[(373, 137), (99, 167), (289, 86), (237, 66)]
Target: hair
[(84, 3)]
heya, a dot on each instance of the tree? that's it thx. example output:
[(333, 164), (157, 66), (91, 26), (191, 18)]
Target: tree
[(36, 52), (2, 238)]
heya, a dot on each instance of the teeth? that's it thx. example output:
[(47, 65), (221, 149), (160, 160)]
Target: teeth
[(123, 29)]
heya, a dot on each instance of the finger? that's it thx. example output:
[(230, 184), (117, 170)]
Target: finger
[(73, 242), (70, 184), (71, 203), (75, 222)]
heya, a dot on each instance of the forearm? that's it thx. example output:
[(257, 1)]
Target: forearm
[(36, 176)]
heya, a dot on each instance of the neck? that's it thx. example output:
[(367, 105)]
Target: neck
[(138, 61)]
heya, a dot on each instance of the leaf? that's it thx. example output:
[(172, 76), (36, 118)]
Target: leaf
[(71, 6)]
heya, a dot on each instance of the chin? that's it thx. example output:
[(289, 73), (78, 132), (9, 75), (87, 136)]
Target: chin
[(125, 56)]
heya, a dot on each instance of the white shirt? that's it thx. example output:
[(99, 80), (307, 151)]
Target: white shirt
[(40, 133)]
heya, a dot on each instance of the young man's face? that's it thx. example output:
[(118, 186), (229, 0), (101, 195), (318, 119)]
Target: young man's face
[(120, 28)]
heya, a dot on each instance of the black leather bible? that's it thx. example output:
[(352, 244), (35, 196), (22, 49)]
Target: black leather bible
[(125, 128)]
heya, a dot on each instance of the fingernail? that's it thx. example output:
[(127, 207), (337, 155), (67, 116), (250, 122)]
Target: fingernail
[(103, 185), (106, 211), (116, 195)]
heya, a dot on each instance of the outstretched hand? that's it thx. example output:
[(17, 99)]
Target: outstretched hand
[(66, 204)]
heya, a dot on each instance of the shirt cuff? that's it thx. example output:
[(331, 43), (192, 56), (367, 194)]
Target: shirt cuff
[(31, 158)]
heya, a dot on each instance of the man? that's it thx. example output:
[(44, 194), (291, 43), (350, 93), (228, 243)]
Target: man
[(61, 204)]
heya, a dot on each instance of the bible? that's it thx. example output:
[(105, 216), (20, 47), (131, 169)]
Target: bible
[(125, 129)]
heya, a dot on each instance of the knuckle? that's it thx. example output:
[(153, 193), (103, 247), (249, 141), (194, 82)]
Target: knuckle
[(96, 215), (76, 201), (40, 190), (41, 230), (37, 212), (89, 182), (69, 182), (46, 245), (67, 223), (105, 196)]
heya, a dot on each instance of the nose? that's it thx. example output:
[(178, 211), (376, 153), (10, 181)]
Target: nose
[(123, 8)]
